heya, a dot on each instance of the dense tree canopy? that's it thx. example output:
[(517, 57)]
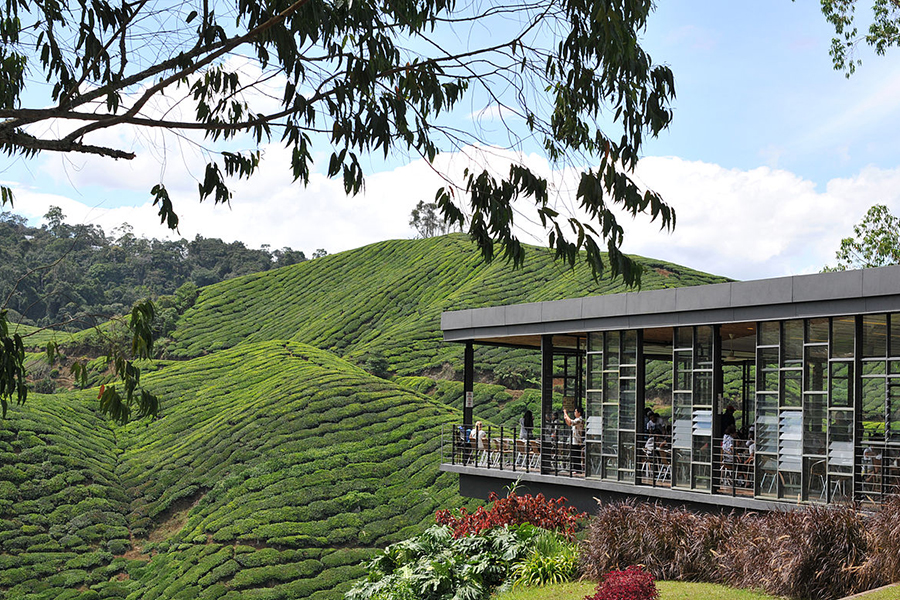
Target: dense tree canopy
[(75, 274), (568, 77)]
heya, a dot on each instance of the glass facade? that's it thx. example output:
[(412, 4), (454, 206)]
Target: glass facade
[(825, 412), (612, 396)]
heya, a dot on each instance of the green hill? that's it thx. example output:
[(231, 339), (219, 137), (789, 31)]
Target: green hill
[(273, 472), (275, 466), (384, 301)]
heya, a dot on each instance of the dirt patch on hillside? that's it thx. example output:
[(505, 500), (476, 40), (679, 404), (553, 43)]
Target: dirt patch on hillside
[(173, 518)]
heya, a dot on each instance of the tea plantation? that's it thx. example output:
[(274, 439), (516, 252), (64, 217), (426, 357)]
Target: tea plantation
[(273, 472), (276, 466), (384, 301)]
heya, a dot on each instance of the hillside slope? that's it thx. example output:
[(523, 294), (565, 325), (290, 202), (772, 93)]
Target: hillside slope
[(384, 301), (273, 471)]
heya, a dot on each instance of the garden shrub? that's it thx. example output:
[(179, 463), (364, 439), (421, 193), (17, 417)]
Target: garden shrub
[(821, 552), (671, 543), (883, 564), (436, 565), (554, 559), (631, 584), (816, 552), (539, 511)]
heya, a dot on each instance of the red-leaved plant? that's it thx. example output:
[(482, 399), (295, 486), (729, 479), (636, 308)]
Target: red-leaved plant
[(541, 512), (631, 584)]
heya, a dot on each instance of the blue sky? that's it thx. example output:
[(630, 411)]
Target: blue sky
[(756, 87), (771, 159)]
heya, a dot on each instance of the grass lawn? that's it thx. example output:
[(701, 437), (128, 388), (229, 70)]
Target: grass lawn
[(668, 590), (888, 593)]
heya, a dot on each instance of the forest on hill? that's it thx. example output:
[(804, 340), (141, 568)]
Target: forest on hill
[(77, 274), (302, 410)]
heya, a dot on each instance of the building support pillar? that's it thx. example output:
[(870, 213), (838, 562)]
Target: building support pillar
[(468, 384), (546, 401)]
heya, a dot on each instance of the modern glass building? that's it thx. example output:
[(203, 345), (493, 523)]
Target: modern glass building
[(805, 368)]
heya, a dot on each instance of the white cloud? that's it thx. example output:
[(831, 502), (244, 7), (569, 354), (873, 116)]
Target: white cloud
[(757, 223), (745, 224)]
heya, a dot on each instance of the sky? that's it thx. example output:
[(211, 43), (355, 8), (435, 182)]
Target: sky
[(771, 159)]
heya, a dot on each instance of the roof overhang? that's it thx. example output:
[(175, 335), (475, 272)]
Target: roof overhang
[(864, 291)]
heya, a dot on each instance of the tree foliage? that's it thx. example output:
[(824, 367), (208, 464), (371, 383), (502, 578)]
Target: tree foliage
[(426, 219), (883, 31), (875, 242), (75, 274), (358, 77)]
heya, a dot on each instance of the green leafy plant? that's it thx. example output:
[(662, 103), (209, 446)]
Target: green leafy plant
[(554, 559), (438, 566)]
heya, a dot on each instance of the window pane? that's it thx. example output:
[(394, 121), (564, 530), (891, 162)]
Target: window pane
[(595, 342), (766, 476), (895, 334), (627, 410), (610, 429), (790, 436), (793, 342), (684, 337), (842, 334), (612, 350), (702, 423), (702, 450), (595, 370), (815, 424), (681, 467), (815, 368), (629, 347), (817, 331), (841, 384), (791, 388), (873, 405), (703, 347), (815, 479), (683, 370), (611, 387), (789, 484), (874, 367), (626, 450), (703, 389), (767, 430), (893, 433), (840, 441), (769, 333), (767, 370), (874, 336), (681, 424)]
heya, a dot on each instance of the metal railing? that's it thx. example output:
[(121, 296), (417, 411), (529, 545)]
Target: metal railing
[(735, 470), (877, 467), (503, 448), (654, 459)]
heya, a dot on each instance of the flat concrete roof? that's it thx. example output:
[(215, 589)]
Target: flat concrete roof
[(839, 293)]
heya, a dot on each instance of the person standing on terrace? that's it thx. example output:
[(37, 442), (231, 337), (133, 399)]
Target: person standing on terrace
[(577, 425), (727, 418)]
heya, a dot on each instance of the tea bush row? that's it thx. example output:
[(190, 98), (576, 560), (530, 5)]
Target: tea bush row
[(241, 464), (335, 458), (389, 302)]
